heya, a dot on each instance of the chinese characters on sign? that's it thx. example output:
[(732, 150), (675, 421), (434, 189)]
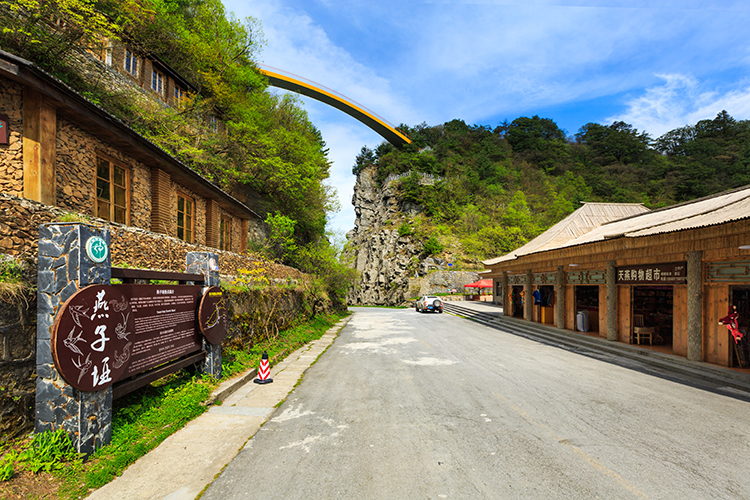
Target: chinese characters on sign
[(91, 342), (673, 273)]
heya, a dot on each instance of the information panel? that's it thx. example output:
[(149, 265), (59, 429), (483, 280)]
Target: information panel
[(164, 323)]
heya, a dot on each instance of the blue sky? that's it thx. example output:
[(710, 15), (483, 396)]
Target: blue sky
[(657, 64)]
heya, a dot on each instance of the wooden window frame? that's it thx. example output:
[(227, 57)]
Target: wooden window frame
[(225, 234), (130, 63), (110, 214), (188, 234), (103, 51), (179, 95), (157, 81)]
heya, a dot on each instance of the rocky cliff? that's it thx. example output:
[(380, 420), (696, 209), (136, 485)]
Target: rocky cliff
[(388, 261)]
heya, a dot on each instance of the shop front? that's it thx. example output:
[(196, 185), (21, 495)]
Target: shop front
[(656, 318)]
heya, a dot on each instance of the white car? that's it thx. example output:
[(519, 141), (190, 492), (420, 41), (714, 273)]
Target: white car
[(429, 303)]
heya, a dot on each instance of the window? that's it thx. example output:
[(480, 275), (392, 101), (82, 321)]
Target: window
[(178, 95), (213, 124), (131, 63), (185, 217), (225, 234), (157, 82), (112, 191), (103, 51)]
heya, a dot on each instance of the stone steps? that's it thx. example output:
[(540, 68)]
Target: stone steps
[(599, 346)]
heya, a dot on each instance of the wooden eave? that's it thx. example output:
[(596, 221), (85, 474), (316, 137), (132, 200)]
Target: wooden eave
[(654, 248), (101, 124), (167, 70)]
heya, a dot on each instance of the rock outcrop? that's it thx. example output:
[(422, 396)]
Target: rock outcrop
[(385, 259)]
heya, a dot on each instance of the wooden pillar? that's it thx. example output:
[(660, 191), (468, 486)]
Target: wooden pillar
[(505, 301), (611, 301), (243, 236), (560, 297), (528, 300), (39, 147), (695, 306), (212, 223), (161, 209)]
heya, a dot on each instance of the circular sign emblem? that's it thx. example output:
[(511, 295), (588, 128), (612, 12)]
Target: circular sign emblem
[(91, 342), (96, 249), (212, 315)]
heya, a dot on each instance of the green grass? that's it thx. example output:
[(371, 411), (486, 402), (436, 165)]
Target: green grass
[(145, 418)]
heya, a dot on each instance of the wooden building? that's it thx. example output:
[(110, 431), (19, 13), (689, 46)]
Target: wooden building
[(664, 277), (60, 149)]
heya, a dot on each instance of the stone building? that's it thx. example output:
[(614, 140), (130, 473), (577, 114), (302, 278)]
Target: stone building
[(62, 150), (668, 280)]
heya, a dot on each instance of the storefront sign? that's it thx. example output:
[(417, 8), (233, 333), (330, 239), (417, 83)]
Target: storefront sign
[(106, 333), (4, 132), (673, 273)]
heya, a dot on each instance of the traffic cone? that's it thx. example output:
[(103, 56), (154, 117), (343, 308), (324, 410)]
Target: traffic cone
[(264, 370)]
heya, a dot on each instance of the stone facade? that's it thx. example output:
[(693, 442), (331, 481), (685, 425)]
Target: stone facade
[(70, 147), (11, 156), (76, 185)]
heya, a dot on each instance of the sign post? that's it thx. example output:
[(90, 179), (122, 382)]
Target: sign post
[(96, 340), (207, 264), (64, 269)]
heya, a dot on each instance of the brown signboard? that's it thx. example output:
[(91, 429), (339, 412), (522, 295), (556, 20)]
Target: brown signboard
[(4, 132), (164, 322), (673, 273), (93, 336), (212, 316)]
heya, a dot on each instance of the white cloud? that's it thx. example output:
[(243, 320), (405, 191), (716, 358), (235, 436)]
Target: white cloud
[(487, 60), (682, 100)]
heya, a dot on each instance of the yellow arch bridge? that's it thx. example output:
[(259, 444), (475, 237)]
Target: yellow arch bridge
[(311, 89)]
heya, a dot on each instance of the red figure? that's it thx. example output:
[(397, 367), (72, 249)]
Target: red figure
[(730, 321)]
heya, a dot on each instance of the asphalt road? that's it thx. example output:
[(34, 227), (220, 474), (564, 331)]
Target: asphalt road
[(406, 405)]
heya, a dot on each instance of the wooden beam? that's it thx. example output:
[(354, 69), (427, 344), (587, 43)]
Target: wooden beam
[(39, 146)]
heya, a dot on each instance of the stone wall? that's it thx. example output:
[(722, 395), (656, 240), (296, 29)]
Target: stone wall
[(17, 358), (19, 232), (254, 312), (11, 156)]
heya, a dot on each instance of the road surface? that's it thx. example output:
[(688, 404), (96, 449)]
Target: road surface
[(406, 405)]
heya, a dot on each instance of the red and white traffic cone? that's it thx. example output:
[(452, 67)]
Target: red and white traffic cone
[(264, 371)]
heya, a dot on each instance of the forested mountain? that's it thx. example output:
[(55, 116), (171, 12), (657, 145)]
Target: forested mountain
[(500, 187)]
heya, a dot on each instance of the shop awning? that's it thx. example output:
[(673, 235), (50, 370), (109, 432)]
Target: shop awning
[(486, 283)]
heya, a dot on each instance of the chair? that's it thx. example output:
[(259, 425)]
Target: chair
[(641, 332)]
